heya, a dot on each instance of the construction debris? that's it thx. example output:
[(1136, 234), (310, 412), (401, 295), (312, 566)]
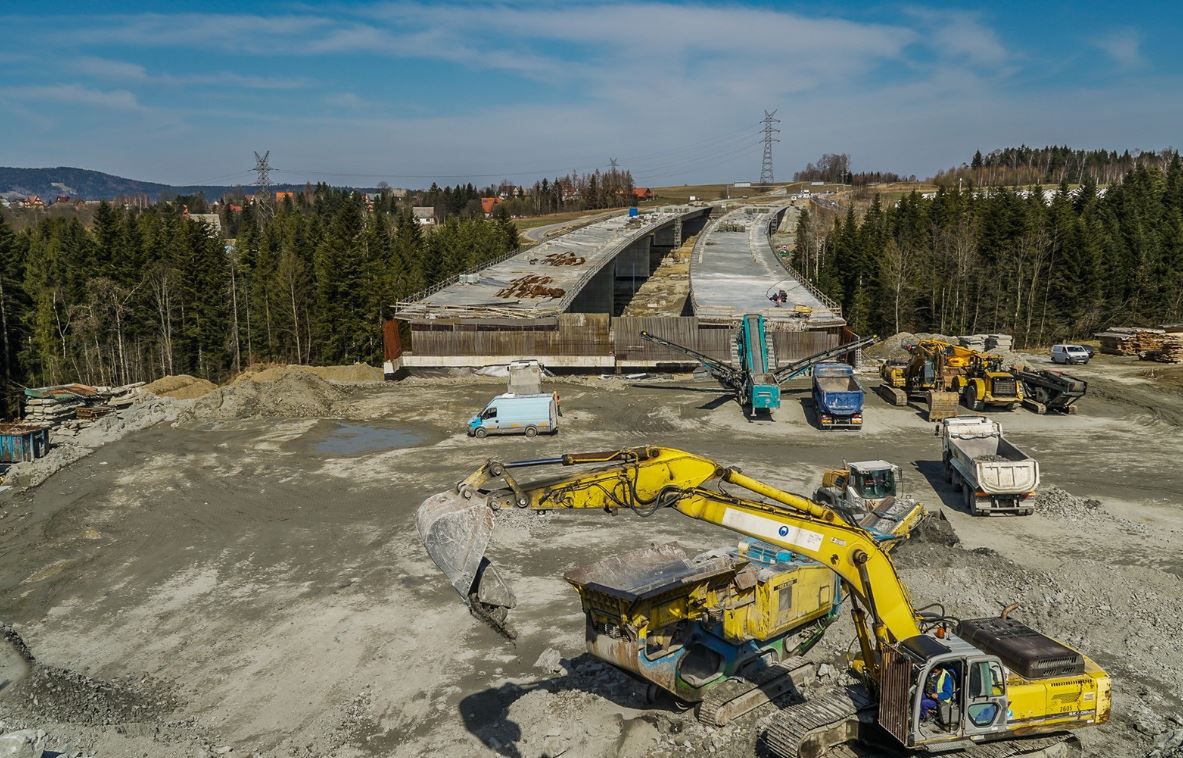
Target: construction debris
[(55, 405), (567, 258), (531, 285)]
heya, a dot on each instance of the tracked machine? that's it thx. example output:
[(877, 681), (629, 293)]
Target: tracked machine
[(1017, 691), (941, 374), (754, 377)]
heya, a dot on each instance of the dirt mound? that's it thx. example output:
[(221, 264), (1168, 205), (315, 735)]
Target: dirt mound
[(1054, 502), (180, 387), (893, 347), (293, 394), (935, 530), (358, 373), (64, 695)]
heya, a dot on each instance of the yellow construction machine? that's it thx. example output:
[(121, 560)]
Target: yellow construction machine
[(986, 384), (941, 374), (1010, 682), (870, 494)]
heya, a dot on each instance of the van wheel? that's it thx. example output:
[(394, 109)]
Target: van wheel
[(481, 432), (531, 431)]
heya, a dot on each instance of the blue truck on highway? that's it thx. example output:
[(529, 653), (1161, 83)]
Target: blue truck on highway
[(837, 396)]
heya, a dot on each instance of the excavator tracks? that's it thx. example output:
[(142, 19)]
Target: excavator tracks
[(737, 696), (810, 729), (829, 726)]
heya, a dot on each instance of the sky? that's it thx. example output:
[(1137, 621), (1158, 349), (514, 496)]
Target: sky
[(414, 92)]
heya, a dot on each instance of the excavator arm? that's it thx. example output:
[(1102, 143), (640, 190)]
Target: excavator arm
[(456, 526)]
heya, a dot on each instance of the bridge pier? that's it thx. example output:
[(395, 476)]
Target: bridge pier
[(599, 294)]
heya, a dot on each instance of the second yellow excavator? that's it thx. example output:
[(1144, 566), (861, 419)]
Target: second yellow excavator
[(1009, 682)]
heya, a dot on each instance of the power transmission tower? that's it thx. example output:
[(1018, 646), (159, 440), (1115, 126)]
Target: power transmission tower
[(769, 138), (263, 183), (614, 163)]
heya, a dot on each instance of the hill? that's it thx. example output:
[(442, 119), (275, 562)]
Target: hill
[(83, 183)]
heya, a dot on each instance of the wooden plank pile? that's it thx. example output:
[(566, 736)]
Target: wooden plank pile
[(1170, 349), (1130, 340)]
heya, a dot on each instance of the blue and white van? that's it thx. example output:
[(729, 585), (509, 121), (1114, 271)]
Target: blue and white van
[(517, 414)]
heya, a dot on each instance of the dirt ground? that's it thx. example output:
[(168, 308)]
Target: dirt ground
[(247, 579)]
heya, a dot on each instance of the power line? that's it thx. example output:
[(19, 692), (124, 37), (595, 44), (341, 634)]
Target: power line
[(769, 131)]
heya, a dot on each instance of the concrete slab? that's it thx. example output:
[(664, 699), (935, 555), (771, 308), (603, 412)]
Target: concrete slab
[(734, 271), (579, 255)]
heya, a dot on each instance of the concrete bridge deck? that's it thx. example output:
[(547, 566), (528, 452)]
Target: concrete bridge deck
[(734, 271), (576, 272)]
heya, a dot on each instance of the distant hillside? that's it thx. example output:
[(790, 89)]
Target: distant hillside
[(48, 183)]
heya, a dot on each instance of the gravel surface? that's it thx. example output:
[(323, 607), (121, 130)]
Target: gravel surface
[(230, 583)]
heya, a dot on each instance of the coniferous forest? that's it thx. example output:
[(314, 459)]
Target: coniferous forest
[(1007, 260), (148, 292)]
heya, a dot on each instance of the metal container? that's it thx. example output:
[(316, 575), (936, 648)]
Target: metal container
[(22, 442)]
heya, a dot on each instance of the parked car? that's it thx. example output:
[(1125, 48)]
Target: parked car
[(1070, 354)]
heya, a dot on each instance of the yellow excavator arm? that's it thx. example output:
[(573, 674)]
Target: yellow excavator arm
[(455, 526), (897, 656)]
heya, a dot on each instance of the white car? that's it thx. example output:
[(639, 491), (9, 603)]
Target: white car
[(1070, 354)]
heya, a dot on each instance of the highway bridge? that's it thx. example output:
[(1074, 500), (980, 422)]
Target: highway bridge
[(561, 301)]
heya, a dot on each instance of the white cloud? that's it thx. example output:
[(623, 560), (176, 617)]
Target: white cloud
[(344, 100), (75, 94), (105, 68), (961, 35), (1123, 46)]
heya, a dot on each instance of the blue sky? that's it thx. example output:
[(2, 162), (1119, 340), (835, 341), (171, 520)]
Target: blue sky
[(408, 92)]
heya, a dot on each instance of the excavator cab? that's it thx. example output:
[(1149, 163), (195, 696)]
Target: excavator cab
[(918, 712), (873, 482)]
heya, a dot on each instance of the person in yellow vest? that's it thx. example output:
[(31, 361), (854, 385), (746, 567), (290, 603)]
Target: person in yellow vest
[(938, 690)]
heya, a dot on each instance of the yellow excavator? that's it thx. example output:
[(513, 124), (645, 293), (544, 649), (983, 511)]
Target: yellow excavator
[(1014, 691), (941, 374)]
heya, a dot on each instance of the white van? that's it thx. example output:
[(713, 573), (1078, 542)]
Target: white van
[(1069, 354), (517, 414)]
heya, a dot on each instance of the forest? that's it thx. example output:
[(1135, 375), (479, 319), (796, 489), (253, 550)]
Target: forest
[(1007, 260), (1013, 166), (146, 292)]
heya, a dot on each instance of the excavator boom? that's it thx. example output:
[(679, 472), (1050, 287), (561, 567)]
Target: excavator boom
[(456, 526)]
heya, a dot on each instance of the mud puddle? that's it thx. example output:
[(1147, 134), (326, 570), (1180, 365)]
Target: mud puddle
[(342, 438)]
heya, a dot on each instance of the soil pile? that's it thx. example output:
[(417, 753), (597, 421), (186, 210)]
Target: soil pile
[(358, 373), (294, 394), (1054, 502), (893, 347), (180, 387)]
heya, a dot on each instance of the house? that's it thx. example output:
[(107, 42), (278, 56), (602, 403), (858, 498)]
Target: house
[(488, 203), (424, 215), (32, 201), (212, 221), (281, 196), (61, 200), (642, 193)]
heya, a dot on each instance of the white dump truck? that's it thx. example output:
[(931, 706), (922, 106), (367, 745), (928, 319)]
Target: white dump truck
[(993, 475)]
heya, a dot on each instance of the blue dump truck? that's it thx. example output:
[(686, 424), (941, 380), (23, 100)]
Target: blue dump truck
[(517, 414), (837, 396)]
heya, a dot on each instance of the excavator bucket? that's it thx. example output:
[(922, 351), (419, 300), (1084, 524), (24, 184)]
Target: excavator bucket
[(455, 529), (942, 405)]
